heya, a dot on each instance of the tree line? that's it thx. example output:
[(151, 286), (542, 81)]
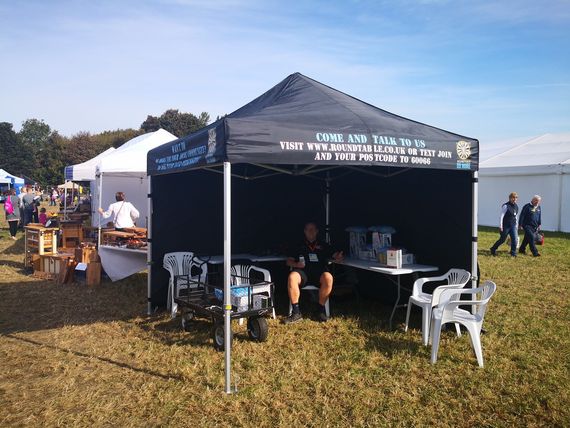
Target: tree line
[(41, 153)]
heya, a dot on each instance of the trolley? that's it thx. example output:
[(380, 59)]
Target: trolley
[(251, 299)]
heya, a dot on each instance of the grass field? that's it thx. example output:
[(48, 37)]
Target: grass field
[(77, 356)]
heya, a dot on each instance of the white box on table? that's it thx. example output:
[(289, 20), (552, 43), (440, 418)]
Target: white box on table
[(394, 258)]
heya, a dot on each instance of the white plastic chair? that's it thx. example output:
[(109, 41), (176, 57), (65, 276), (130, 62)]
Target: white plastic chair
[(448, 311), (241, 274), (181, 263), (456, 278)]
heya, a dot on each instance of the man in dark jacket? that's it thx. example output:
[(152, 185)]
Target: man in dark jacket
[(530, 220), (508, 225), (28, 205)]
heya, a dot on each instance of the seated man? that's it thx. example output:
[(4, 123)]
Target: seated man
[(310, 265)]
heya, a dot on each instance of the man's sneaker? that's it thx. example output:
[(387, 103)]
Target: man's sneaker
[(293, 318), (536, 255), (493, 252), (323, 317)]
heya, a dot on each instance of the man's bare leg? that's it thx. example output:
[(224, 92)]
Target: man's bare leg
[(326, 285), (293, 287)]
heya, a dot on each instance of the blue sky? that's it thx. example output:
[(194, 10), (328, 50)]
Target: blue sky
[(486, 69)]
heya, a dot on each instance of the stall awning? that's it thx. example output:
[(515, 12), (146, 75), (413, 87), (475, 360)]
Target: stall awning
[(86, 171), (303, 122)]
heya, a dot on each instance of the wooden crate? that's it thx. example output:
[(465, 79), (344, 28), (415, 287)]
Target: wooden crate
[(86, 255), (71, 234), (53, 263), (39, 240), (93, 273)]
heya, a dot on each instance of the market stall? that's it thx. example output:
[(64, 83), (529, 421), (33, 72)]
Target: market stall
[(305, 151), (13, 181), (86, 171), (5, 183), (124, 170), (82, 173)]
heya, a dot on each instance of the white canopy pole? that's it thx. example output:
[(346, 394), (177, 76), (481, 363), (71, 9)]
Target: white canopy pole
[(475, 196), (65, 199), (100, 217), (148, 246), (227, 272)]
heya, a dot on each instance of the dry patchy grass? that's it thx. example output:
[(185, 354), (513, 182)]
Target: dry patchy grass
[(76, 356)]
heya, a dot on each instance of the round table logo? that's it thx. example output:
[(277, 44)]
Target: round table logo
[(463, 150)]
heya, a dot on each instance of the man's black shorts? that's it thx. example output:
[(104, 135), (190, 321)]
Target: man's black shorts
[(310, 277)]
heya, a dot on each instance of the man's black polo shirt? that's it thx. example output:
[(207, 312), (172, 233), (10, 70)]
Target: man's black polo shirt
[(317, 256)]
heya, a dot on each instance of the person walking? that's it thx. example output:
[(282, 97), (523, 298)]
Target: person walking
[(508, 225), (23, 191), (28, 204), (53, 199), (36, 207), (12, 210), (530, 220)]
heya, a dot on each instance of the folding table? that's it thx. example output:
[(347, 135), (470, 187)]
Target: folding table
[(383, 269)]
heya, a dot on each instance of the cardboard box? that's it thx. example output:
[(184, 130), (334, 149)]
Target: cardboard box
[(394, 258)]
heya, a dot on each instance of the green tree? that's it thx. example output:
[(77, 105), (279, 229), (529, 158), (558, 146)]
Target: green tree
[(52, 161), (175, 122), (34, 137), (116, 138), (10, 152), (81, 147)]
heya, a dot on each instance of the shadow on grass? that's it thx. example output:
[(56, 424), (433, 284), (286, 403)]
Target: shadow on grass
[(169, 331), (27, 306), (18, 265), (99, 358), (373, 319), (16, 247)]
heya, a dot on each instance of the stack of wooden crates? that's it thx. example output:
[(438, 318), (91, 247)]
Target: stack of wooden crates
[(49, 261)]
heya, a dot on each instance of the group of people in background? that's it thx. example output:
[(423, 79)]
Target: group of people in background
[(529, 220), (23, 209)]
